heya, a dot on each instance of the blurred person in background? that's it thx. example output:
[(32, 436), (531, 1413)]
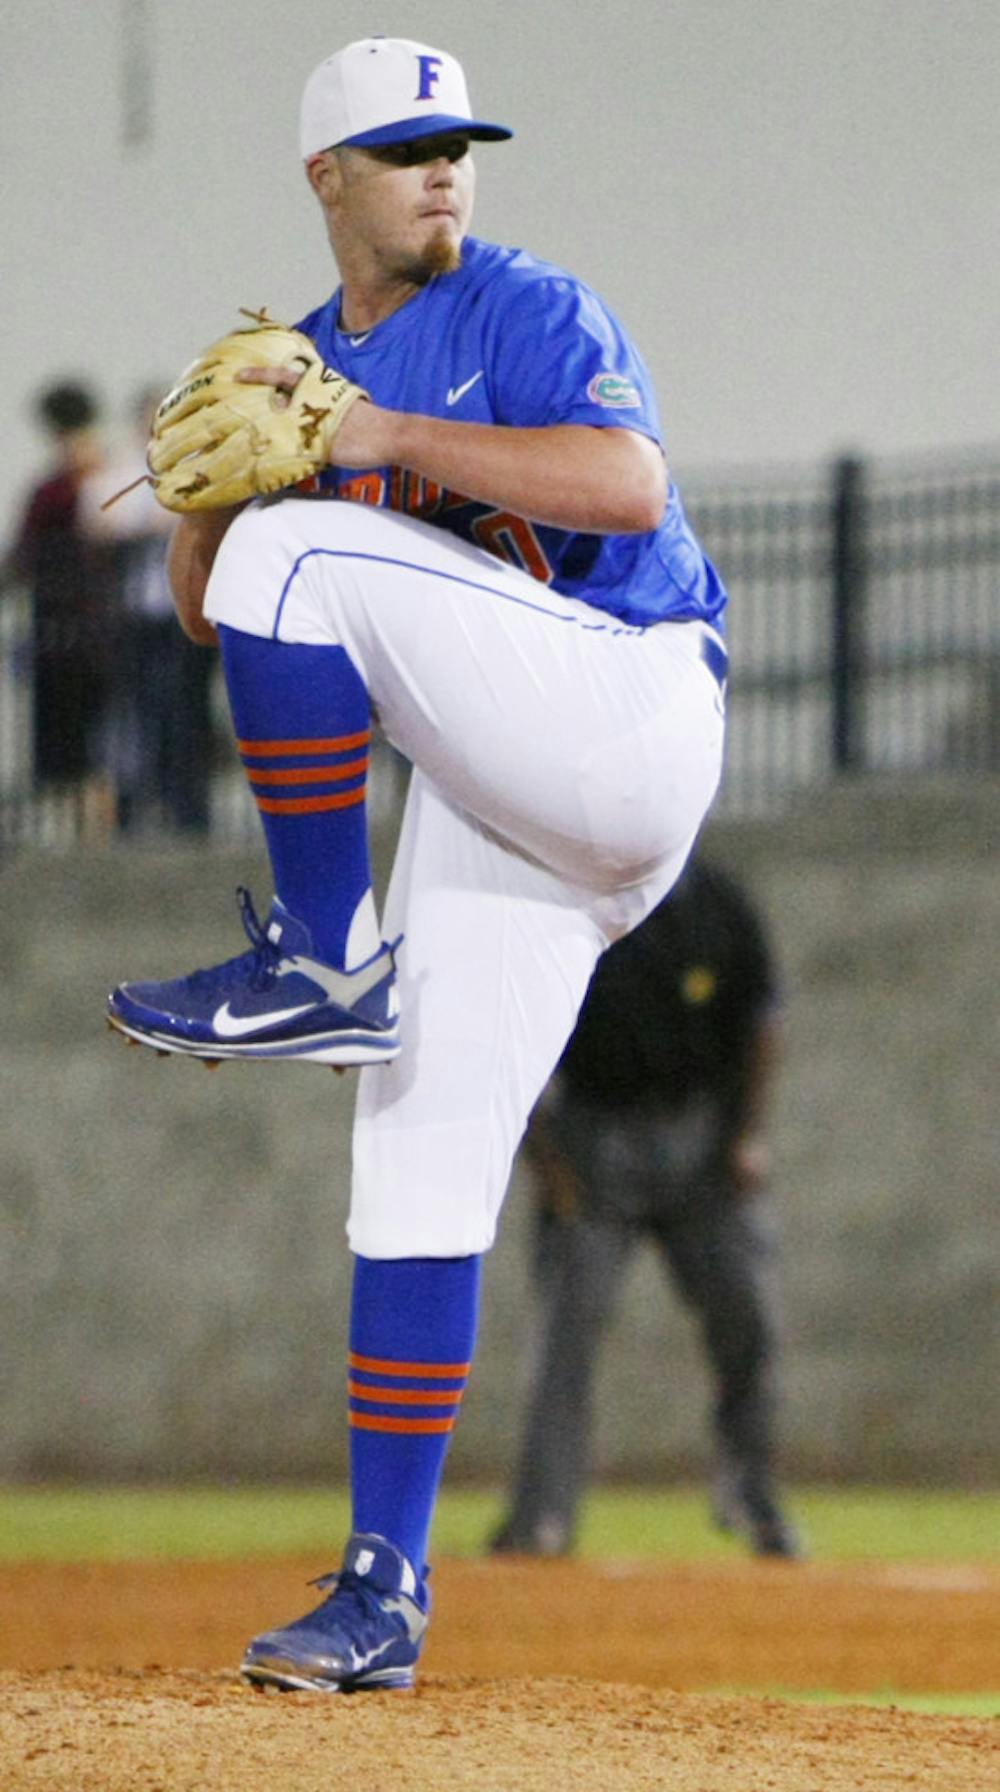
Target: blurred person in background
[(654, 1127), (160, 737), (68, 595)]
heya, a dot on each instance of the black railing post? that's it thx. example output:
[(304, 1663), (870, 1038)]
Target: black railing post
[(849, 591)]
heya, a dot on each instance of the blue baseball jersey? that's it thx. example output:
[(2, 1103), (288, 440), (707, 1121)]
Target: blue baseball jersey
[(512, 340)]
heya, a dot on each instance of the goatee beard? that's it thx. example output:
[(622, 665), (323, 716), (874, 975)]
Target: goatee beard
[(441, 256)]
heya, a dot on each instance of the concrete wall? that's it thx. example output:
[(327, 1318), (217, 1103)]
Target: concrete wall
[(173, 1277)]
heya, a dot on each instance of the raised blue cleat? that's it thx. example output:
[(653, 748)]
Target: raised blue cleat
[(279, 1000), (365, 1637)]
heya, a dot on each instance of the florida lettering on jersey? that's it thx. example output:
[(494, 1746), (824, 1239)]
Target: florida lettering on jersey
[(501, 532), (512, 340)]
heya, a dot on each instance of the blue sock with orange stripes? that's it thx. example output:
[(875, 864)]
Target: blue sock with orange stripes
[(413, 1329), (301, 716)]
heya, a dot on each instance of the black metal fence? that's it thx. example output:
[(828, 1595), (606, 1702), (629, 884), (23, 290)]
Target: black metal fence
[(864, 635), (864, 622)]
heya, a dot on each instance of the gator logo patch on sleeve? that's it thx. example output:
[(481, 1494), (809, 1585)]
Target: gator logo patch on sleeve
[(614, 391)]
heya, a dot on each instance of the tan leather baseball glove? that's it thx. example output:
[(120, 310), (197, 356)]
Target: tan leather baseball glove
[(217, 440)]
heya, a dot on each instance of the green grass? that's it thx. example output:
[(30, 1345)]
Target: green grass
[(837, 1524), (117, 1524), (933, 1704)]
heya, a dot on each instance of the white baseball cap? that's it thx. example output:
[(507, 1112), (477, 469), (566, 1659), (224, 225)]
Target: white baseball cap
[(387, 90)]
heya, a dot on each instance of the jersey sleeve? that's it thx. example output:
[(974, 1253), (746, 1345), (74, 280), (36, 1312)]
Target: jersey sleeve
[(561, 357)]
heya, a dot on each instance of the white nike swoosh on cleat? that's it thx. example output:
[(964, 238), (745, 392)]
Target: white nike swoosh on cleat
[(345, 988), (457, 392), (235, 1026), (359, 1662)]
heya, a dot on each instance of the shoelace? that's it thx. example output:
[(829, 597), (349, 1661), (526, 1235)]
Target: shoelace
[(354, 1596), (256, 967)]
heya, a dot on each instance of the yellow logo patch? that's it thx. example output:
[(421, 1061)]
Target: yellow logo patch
[(698, 985)]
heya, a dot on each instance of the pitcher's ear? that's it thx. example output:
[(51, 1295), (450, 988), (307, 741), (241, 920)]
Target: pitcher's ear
[(324, 174)]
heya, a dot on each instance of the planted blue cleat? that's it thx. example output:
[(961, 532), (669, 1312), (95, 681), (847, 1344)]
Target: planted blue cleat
[(365, 1637)]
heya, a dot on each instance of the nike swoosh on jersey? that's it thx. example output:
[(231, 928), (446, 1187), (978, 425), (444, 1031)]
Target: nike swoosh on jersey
[(234, 1026), (457, 392)]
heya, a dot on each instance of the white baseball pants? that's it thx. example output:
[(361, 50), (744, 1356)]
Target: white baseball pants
[(563, 765)]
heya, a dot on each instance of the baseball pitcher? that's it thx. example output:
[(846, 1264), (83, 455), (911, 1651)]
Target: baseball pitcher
[(441, 500)]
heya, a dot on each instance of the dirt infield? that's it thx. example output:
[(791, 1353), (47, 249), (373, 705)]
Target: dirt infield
[(537, 1675)]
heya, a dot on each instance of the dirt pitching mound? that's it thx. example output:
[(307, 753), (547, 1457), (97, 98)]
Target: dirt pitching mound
[(537, 1676)]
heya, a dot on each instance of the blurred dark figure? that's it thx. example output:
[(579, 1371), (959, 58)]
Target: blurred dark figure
[(654, 1126), (68, 595), (160, 739)]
